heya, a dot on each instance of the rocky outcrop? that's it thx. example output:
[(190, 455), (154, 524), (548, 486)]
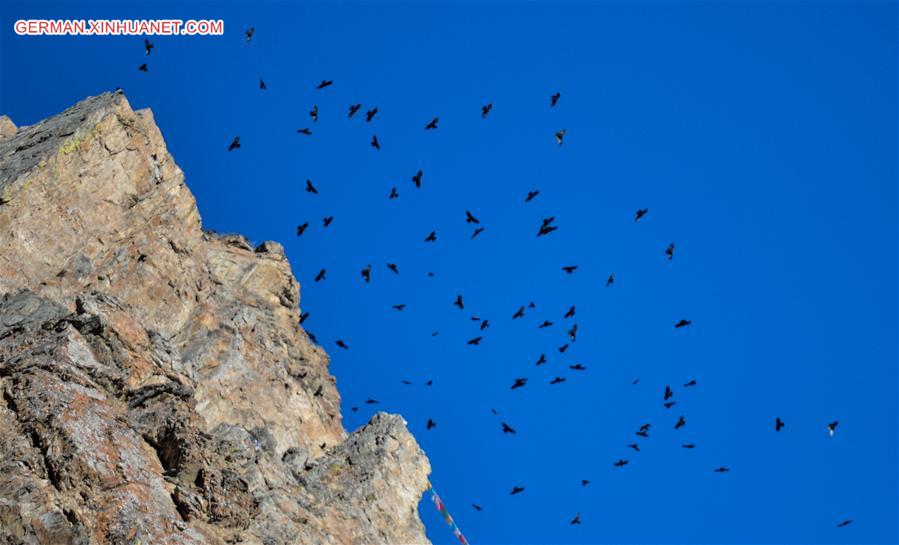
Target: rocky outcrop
[(156, 386)]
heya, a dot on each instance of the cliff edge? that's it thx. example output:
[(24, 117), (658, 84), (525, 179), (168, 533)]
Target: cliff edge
[(156, 386)]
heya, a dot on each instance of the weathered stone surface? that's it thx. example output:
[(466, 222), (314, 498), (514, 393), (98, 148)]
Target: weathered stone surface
[(156, 386)]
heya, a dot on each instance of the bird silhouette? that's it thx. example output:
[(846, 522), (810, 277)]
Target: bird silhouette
[(778, 424), (371, 401), (485, 324), (670, 404), (393, 267), (557, 380), (476, 341), (249, 33), (645, 427), (341, 344), (507, 428), (832, 427), (518, 313), (313, 113), (545, 324), (690, 384), (634, 446), (303, 317), (369, 115), (477, 231), (311, 188), (516, 490), (469, 218), (668, 392), (353, 109), (844, 523), (148, 46), (458, 302), (325, 83), (642, 433), (519, 383), (431, 424), (366, 273), (262, 84), (374, 142), (327, 220), (485, 109), (401, 306), (429, 383), (560, 137), (681, 422), (569, 268), (563, 348), (432, 124), (542, 359), (321, 275), (235, 143), (620, 463), (577, 367), (553, 100), (432, 237), (640, 213), (477, 507), (302, 228), (393, 193), (570, 312), (417, 179), (406, 382), (305, 130), (584, 482), (610, 280), (682, 323), (669, 251), (318, 391), (532, 195), (722, 469), (573, 333), (688, 446), (576, 519), (143, 67)]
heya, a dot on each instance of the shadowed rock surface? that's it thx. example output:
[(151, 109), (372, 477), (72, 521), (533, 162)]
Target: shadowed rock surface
[(156, 386)]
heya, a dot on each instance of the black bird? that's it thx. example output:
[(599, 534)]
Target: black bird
[(545, 324), (399, 307), (321, 275), (476, 341), (311, 188), (326, 221), (668, 392), (262, 84), (563, 348), (670, 404), (610, 280), (470, 219), (393, 267), (569, 268), (406, 382), (325, 83), (431, 424), (634, 446), (560, 136), (432, 237), (557, 380), (553, 100), (432, 124), (722, 469), (366, 273), (573, 333), (302, 228), (393, 193), (689, 384), (485, 109), (234, 144), (832, 427), (576, 519), (516, 490), (318, 391), (531, 195), (688, 445), (682, 323), (477, 507), (354, 409), (143, 67), (303, 317), (507, 428), (681, 422), (584, 482), (353, 109), (636, 380), (778, 424), (341, 344), (542, 359), (313, 113), (519, 382), (577, 367), (477, 231), (371, 401), (620, 463), (417, 179), (249, 33), (485, 324), (642, 433), (374, 142), (305, 130), (545, 230), (645, 427), (148, 46), (428, 383), (311, 337), (640, 213), (519, 313), (369, 115), (570, 312), (669, 251), (846, 522), (458, 302)]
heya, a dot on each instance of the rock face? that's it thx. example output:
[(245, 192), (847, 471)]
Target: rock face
[(156, 386)]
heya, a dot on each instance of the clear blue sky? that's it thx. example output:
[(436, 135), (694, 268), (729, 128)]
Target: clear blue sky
[(762, 138)]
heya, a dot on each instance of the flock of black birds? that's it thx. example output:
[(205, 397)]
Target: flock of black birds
[(547, 227)]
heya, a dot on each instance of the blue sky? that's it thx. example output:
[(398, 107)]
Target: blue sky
[(762, 138)]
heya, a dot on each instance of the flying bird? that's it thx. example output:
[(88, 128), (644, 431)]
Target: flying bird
[(399, 307), (235, 143), (610, 280), (844, 523), (569, 268), (681, 422), (519, 382), (531, 195), (321, 275), (431, 424), (313, 113), (640, 213), (557, 380), (518, 314), (545, 324), (690, 384), (143, 67), (669, 251), (553, 100), (371, 401), (476, 341), (341, 344), (642, 433), (366, 273), (542, 359), (688, 446), (477, 231), (305, 130), (353, 109), (326, 221), (417, 179), (485, 324), (584, 482), (560, 136), (573, 333), (432, 237), (576, 519), (406, 382), (303, 317), (722, 469), (393, 193), (325, 83), (469, 218), (369, 115), (507, 428), (262, 84), (634, 446), (485, 109), (577, 367), (477, 507), (458, 302), (832, 427), (374, 142), (668, 392), (249, 33), (778, 424), (516, 490), (311, 188), (570, 312), (620, 463), (302, 228), (393, 267), (148, 46), (682, 323), (670, 404), (432, 124), (545, 230)]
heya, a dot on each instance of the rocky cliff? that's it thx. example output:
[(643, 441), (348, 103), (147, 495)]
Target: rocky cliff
[(156, 386)]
